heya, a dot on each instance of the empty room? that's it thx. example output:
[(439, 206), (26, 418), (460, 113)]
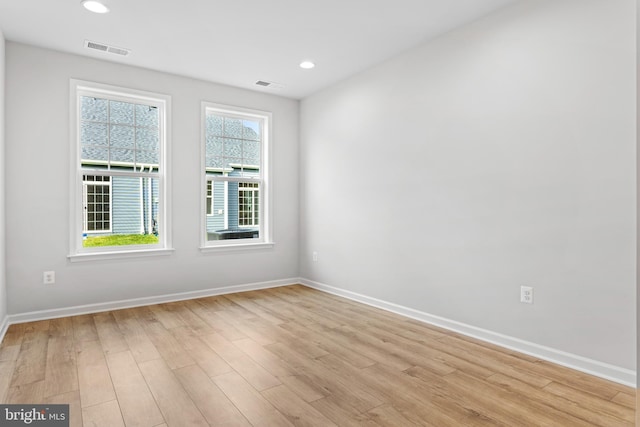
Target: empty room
[(336, 213)]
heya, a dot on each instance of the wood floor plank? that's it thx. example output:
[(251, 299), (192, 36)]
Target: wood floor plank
[(171, 351), (588, 400), (138, 407), (532, 393), (212, 402), (14, 335), (255, 329), (61, 327), (26, 393), (31, 362), (249, 305), (418, 403), (9, 353), (177, 408), (72, 399), (168, 318), (201, 353), (439, 357), (253, 406), (105, 414), (296, 410), (387, 415), (109, 333), (330, 382), (203, 308), (254, 374), (304, 387), (272, 363), (136, 338), (93, 375), (373, 349), (61, 374), (479, 395), (625, 399), (190, 319), (6, 374), (598, 386), (324, 342), (492, 359), (222, 347), (83, 328), (341, 414)]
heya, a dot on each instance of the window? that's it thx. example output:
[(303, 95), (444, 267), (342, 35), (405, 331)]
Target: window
[(96, 203), (119, 172), (209, 197), (248, 203), (234, 173)]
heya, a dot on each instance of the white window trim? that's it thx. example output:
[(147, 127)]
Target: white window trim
[(265, 218), (76, 251)]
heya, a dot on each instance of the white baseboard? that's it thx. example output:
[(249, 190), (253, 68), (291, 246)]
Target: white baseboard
[(573, 361), (138, 302), (4, 325)]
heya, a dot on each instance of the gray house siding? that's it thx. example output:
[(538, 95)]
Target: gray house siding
[(216, 220), (233, 205), (125, 196), (149, 192)]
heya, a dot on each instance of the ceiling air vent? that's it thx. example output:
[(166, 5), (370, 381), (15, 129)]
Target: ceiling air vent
[(270, 85), (106, 48)]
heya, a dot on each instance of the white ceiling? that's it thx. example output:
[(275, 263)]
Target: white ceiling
[(238, 42)]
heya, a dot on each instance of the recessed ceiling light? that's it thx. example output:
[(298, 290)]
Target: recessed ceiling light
[(307, 65), (95, 6)]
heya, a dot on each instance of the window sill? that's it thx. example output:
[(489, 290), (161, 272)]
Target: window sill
[(98, 256), (237, 247)]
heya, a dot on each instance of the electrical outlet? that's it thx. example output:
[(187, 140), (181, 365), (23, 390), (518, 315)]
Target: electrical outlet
[(49, 277), (315, 256), (526, 294)]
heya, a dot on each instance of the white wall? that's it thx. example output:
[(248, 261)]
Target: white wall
[(37, 167), (3, 284), (501, 154)]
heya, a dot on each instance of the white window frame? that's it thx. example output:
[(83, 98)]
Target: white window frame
[(85, 210), (265, 225), (77, 252)]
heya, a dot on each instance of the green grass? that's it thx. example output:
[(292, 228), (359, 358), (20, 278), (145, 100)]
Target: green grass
[(120, 240)]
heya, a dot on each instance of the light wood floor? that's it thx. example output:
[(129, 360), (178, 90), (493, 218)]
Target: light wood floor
[(289, 356)]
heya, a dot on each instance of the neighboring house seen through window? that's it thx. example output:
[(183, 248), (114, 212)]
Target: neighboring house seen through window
[(120, 170), (235, 184)]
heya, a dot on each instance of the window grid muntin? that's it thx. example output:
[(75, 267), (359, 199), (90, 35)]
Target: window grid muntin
[(90, 204), (248, 204), (230, 161), (128, 99), (209, 197)]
